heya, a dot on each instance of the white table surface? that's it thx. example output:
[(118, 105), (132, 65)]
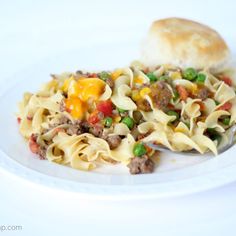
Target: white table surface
[(31, 31)]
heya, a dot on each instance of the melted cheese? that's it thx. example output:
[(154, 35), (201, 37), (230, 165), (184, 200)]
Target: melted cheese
[(84, 88), (76, 107)]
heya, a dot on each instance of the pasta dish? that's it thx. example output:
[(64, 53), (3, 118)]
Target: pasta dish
[(84, 119)]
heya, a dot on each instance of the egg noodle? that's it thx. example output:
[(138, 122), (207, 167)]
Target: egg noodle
[(85, 119)]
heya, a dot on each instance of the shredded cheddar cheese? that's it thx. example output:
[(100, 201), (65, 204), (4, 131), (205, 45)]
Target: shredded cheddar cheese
[(175, 75), (116, 74), (84, 88), (135, 95), (90, 87), (79, 92), (76, 107), (117, 119), (194, 89), (144, 91), (138, 80)]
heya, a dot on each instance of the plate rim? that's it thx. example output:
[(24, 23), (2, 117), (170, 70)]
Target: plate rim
[(121, 192)]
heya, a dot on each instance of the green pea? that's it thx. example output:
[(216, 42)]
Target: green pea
[(108, 122), (211, 131), (176, 96), (190, 74), (217, 103), (218, 138), (139, 149), (200, 78), (214, 135), (152, 77), (226, 120), (104, 75), (128, 121), (120, 110), (173, 113)]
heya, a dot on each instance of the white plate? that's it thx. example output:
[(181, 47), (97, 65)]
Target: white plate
[(175, 175)]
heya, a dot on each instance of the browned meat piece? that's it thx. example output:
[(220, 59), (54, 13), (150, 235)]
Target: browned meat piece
[(138, 117), (143, 105), (110, 82), (77, 127), (42, 152), (113, 141), (141, 136), (64, 120), (74, 129), (79, 74), (161, 94), (96, 130), (85, 127), (100, 115), (135, 133), (141, 165), (203, 93), (36, 148), (62, 106)]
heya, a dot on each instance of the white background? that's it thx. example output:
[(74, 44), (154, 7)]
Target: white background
[(33, 30)]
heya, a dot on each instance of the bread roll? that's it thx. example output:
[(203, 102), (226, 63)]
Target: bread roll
[(184, 43)]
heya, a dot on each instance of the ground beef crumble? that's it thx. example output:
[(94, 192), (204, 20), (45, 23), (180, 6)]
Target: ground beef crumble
[(113, 141), (143, 105), (141, 165), (161, 95), (203, 93), (110, 82)]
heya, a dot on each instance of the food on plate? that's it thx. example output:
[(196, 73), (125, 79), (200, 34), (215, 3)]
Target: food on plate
[(182, 99), (83, 119)]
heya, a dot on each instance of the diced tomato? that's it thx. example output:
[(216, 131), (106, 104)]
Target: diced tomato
[(183, 93), (94, 118), (93, 75), (202, 106), (226, 107), (141, 136), (68, 110), (105, 107), (34, 147), (18, 120), (29, 118), (57, 130), (170, 106), (148, 149), (227, 80), (33, 137)]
